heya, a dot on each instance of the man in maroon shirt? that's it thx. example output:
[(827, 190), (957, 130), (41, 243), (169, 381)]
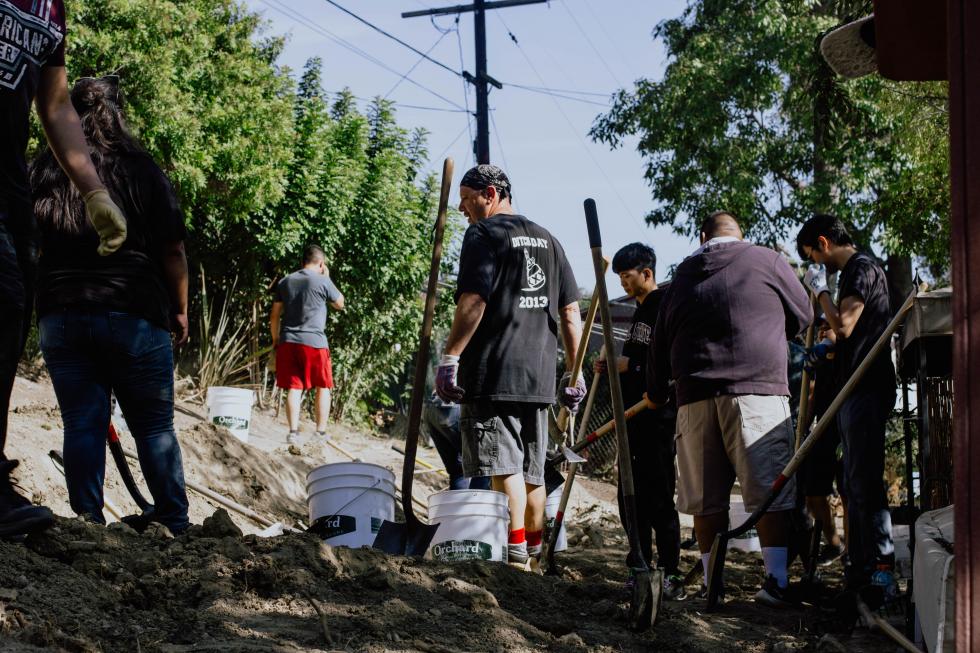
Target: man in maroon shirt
[(32, 69), (721, 337)]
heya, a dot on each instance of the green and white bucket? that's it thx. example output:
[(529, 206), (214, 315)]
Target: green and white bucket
[(231, 408), (472, 525), (350, 500)]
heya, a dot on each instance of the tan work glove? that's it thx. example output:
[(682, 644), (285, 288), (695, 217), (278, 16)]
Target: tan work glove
[(107, 219)]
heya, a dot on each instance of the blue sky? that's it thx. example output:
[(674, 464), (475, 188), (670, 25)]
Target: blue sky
[(580, 46)]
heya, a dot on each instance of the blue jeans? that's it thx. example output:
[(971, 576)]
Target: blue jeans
[(443, 426), (91, 354)]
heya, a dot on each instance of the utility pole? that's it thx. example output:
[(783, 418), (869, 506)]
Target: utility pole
[(481, 146)]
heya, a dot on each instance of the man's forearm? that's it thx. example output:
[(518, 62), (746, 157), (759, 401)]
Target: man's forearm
[(176, 274), (466, 319), (571, 333), (64, 131)]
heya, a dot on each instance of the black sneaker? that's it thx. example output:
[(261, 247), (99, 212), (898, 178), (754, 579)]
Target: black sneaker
[(18, 516), (774, 596)]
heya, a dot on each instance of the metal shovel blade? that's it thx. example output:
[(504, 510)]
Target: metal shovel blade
[(716, 569), (571, 456), (645, 603), (411, 538)]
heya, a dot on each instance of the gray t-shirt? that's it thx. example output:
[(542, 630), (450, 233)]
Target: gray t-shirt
[(305, 295)]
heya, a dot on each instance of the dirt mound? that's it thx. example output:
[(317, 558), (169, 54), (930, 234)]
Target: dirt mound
[(85, 588)]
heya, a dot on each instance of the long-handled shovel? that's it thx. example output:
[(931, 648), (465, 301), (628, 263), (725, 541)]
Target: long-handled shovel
[(566, 492), (413, 537), (716, 563), (647, 586)]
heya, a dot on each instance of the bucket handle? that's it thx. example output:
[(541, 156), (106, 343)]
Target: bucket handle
[(362, 493)]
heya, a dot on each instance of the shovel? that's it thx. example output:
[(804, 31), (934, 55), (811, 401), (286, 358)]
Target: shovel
[(552, 568), (413, 537), (719, 548), (647, 585)]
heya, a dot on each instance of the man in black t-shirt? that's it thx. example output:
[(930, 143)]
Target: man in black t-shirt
[(859, 317), (651, 433), (514, 292), (32, 65)]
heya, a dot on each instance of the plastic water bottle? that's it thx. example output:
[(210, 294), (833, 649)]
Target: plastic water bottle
[(885, 579)]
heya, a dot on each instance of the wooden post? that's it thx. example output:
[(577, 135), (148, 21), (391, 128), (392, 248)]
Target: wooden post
[(964, 133)]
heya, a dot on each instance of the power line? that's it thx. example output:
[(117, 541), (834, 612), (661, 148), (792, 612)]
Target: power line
[(415, 65), (309, 24), (400, 105), (466, 94), (450, 146), (500, 145), (589, 41), (561, 90), (394, 38), (543, 91), (571, 126), (598, 21)]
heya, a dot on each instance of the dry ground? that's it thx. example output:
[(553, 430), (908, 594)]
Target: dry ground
[(86, 588)]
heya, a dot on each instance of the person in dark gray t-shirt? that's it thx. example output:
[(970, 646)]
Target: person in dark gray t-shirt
[(298, 320)]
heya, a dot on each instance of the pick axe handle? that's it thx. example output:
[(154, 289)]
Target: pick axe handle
[(608, 427), (804, 407), (825, 420), (563, 414)]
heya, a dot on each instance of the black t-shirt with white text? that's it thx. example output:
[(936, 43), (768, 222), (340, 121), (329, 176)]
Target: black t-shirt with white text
[(32, 36), (863, 278), (520, 270)]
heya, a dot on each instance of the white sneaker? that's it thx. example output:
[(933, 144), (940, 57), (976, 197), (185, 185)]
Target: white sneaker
[(292, 437)]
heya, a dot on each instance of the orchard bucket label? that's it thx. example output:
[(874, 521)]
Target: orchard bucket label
[(334, 525), (231, 422), (458, 550)]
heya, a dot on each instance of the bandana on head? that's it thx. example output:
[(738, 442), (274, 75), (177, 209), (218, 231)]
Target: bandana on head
[(485, 175)]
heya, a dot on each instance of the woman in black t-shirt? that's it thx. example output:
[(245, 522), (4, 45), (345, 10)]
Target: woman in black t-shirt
[(105, 320)]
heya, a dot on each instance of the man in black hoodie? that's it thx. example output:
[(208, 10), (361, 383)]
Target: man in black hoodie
[(721, 337)]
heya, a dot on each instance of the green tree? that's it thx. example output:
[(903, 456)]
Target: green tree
[(355, 186), (748, 117), (206, 99)]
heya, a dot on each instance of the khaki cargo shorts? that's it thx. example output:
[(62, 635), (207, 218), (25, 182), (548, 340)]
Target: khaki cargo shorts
[(748, 437), (501, 438)]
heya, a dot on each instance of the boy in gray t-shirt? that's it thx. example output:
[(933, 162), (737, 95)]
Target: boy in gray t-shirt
[(298, 320)]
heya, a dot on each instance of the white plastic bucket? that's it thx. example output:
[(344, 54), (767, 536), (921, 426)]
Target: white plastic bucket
[(473, 525), (231, 408), (736, 517), (354, 498), (550, 514)]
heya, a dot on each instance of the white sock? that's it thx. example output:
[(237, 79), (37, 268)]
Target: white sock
[(705, 557), (775, 559)]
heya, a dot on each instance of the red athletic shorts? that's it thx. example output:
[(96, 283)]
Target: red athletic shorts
[(300, 367)]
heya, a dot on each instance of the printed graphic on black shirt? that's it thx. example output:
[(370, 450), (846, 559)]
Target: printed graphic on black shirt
[(535, 275), (25, 39)]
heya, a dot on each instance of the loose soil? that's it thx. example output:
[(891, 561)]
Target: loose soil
[(221, 587)]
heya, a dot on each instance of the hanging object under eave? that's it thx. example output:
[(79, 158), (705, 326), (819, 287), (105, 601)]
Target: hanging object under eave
[(904, 40)]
